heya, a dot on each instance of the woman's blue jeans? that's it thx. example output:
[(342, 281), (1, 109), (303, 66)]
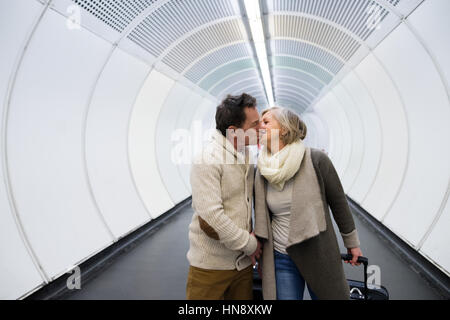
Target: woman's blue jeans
[(290, 283)]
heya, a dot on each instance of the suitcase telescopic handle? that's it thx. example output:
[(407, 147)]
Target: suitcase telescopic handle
[(365, 262), (348, 257)]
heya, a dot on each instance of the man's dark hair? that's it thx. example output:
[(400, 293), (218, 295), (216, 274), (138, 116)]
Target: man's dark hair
[(231, 111)]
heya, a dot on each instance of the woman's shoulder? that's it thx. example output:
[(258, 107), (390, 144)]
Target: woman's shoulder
[(318, 154), (320, 160)]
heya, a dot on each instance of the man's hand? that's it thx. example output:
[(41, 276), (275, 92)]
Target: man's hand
[(355, 252), (257, 254)]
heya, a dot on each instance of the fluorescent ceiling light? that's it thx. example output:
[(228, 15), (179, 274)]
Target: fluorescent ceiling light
[(254, 17)]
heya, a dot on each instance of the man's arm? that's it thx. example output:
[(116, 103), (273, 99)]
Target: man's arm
[(208, 204)]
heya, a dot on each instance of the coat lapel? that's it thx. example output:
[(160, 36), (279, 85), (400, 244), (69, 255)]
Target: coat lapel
[(262, 219), (307, 208)]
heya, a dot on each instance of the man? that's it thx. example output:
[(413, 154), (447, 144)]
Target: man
[(222, 244)]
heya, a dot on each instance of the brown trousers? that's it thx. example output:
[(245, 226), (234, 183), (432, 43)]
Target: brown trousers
[(203, 284)]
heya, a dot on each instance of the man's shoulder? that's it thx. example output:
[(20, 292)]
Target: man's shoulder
[(208, 155)]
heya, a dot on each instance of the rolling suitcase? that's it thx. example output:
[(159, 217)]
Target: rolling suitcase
[(257, 285), (359, 290)]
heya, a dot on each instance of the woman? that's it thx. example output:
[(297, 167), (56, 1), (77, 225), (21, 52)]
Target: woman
[(294, 186)]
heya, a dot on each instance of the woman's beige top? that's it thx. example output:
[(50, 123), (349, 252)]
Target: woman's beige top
[(279, 203)]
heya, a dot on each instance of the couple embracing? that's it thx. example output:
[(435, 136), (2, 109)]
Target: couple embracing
[(291, 237)]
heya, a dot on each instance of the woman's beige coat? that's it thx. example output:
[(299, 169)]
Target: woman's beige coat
[(312, 242)]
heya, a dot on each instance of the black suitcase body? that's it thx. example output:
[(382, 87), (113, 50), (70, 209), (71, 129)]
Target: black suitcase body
[(359, 290), (257, 285)]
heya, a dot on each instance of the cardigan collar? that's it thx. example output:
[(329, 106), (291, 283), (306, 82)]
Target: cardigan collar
[(231, 155)]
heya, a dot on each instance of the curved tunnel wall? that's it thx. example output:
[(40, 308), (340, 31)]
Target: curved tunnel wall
[(81, 124), (89, 112)]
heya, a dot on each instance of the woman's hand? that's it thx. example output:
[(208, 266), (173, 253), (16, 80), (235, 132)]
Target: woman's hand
[(355, 252)]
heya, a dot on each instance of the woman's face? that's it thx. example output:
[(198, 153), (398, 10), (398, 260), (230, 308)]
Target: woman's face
[(271, 129)]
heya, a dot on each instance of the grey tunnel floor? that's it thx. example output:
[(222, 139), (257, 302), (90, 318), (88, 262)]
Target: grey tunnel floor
[(157, 268)]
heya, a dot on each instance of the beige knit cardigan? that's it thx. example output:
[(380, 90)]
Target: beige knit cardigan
[(222, 193)]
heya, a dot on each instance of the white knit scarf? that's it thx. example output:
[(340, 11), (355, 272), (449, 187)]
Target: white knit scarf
[(279, 167)]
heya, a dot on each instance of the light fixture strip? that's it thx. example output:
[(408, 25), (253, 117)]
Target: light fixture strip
[(255, 21)]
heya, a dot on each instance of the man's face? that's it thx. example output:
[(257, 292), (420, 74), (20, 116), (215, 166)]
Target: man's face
[(251, 126), (248, 133)]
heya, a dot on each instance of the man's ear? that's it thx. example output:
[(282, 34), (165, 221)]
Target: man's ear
[(232, 130)]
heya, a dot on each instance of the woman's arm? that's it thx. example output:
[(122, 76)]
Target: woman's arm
[(337, 201)]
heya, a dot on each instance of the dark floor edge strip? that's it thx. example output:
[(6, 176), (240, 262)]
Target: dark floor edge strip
[(57, 289), (435, 277)]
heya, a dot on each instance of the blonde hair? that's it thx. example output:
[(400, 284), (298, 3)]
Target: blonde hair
[(291, 122)]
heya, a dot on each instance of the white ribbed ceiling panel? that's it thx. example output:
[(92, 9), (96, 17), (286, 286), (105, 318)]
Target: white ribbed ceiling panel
[(116, 14), (217, 58), (196, 38), (348, 14), (329, 37), (222, 87), (321, 56), (182, 38), (300, 75), (175, 19), (404, 7), (394, 2), (323, 39), (203, 41)]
